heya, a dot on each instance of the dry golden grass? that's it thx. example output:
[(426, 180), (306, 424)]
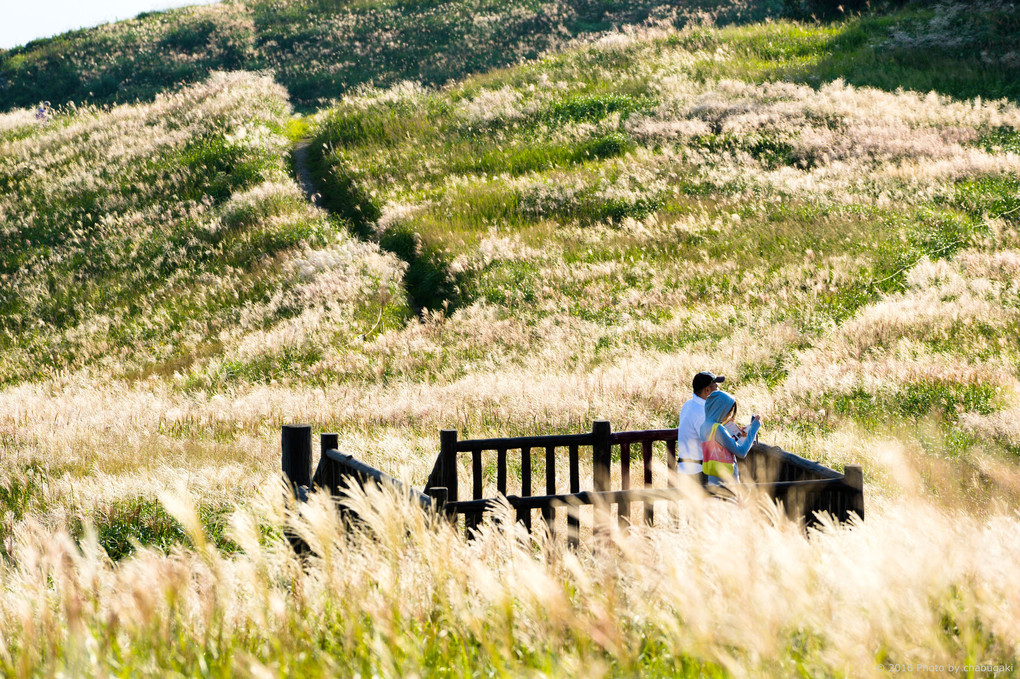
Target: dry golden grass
[(917, 382), (727, 588)]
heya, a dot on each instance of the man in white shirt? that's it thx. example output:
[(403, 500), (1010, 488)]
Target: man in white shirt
[(692, 415)]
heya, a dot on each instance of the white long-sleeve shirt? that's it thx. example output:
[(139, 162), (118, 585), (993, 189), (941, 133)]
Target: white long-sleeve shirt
[(688, 446)]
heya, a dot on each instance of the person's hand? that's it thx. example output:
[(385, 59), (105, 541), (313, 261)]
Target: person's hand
[(755, 418)]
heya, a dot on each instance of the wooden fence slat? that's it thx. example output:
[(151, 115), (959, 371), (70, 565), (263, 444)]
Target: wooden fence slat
[(601, 454), (644, 435), (646, 458), (623, 511), (550, 470), (526, 472), (674, 507), (525, 514), (549, 513), (573, 518), (467, 445), (472, 521), (476, 473), (575, 470), (501, 470), (671, 463)]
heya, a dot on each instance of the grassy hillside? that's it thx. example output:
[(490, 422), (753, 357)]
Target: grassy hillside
[(318, 49), (662, 194), (321, 49), (521, 251), (139, 240)]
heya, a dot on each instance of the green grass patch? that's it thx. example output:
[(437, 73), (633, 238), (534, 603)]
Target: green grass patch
[(523, 158), (940, 234), (510, 284), (918, 399), (591, 108), (858, 50), (989, 196), (429, 282), (1003, 139), (342, 191), (147, 250), (298, 128), (288, 362), (21, 494), (770, 152), (588, 206), (771, 373), (125, 525)]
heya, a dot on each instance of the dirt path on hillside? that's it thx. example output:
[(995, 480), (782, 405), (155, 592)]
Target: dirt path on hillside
[(303, 174)]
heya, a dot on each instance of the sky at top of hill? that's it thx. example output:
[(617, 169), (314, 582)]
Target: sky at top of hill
[(27, 21)]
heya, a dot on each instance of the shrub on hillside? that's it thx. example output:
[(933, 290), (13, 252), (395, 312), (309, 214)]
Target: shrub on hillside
[(823, 9), (833, 9)]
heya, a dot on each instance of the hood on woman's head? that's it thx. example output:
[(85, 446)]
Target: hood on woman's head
[(717, 406)]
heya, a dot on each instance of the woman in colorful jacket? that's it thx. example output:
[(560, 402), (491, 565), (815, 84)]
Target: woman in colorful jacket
[(719, 448)]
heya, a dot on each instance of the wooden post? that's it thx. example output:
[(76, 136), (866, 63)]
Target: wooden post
[(324, 473), (748, 467), (575, 470), (296, 445), (448, 454), (853, 476), (438, 495), (328, 442), (671, 464), (296, 442), (602, 459)]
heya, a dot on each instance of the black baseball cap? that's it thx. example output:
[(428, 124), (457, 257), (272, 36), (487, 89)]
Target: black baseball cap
[(703, 379)]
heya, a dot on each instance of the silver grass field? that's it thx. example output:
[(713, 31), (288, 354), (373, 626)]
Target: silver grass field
[(612, 218)]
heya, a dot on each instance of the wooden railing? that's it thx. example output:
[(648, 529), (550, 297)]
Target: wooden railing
[(646, 439), (804, 488), (444, 474), (336, 469)]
